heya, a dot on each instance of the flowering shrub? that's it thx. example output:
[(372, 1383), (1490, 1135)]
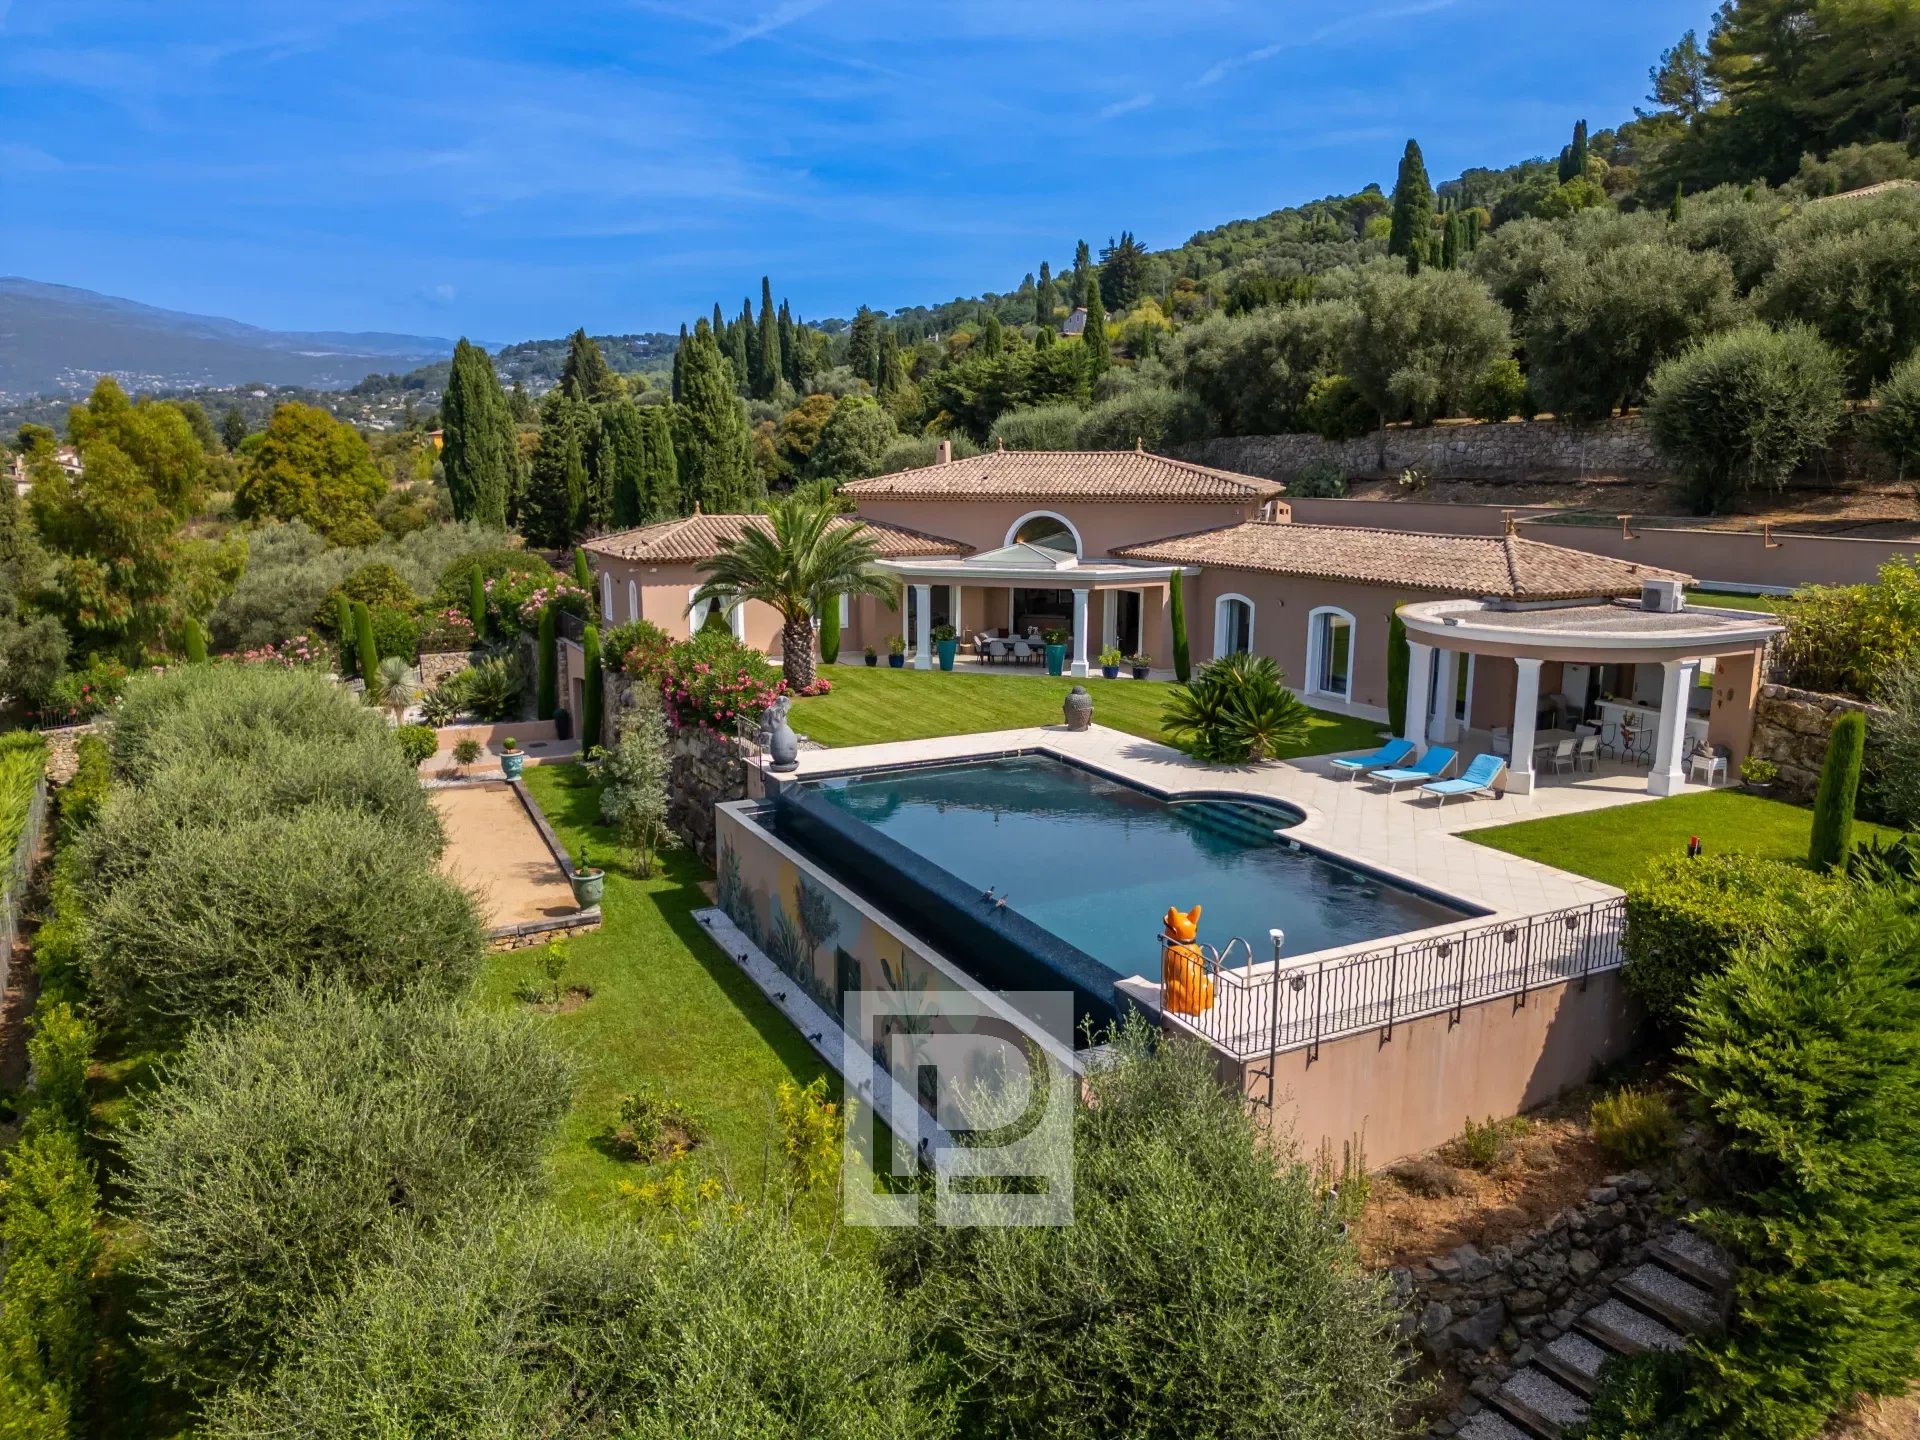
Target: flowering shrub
[(561, 595), (713, 681), (514, 601), (445, 631), (302, 652), (80, 694), (639, 648), (820, 686)]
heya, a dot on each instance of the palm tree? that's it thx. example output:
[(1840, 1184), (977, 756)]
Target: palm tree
[(804, 558), (391, 687)]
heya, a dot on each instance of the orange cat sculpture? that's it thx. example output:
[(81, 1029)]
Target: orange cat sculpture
[(1184, 986)]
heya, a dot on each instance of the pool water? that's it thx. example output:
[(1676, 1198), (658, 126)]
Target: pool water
[(1097, 863)]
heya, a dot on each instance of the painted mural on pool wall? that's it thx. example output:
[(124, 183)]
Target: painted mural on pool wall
[(825, 943)]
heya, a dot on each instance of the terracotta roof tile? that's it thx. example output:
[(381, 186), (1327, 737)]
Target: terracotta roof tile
[(1503, 566), (700, 537), (1129, 475)]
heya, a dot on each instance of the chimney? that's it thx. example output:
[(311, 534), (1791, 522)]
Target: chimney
[(944, 455)]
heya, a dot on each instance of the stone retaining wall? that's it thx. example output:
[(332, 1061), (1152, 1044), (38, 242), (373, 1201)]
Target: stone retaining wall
[(63, 747), (436, 666), (1482, 1316), (1791, 728), (708, 770)]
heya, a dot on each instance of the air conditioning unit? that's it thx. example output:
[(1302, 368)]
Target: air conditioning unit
[(1664, 596)]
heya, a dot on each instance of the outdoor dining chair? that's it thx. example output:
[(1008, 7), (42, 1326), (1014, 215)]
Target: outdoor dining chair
[(1022, 652), (998, 650), (1562, 757), (1587, 755)]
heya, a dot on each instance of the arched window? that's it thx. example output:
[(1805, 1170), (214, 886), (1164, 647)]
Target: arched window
[(1330, 632), (1232, 626), (1046, 529), (606, 596), (633, 600)]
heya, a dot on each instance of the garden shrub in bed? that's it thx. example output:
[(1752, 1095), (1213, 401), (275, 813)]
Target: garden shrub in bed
[(22, 757), (284, 1154), (1686, 918), (217, 714), (713, 681)]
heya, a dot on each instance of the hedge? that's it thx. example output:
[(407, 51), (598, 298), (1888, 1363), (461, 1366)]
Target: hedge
[(1687, 917)]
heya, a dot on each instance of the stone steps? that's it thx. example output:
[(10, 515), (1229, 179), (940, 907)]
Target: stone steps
[(1539, 1404), (1574, 1361), (1627, 1331), (1694, 1257), (1490, 1425), (1667, 1296)]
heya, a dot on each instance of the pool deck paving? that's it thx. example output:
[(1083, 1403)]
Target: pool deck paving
[(495, 851), (1404, 835)]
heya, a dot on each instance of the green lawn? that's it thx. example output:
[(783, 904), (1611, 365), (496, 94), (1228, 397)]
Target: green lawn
[(1726, 600), (667, 1005), (867, 706), (1611, 845)]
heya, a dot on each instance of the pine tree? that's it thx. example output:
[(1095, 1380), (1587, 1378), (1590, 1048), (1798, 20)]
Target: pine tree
[(368, 652), (477, 603), (768, 378), (1099, 352), (480, 449), (1043, 297), (1412, 208), (586, 375), (593, 701), (233, 428), (546, 694), (717, 472)]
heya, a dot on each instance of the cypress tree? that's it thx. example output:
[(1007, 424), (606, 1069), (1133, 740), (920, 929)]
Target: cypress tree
[(586, 375), (1412, 208), (993, 336), (582, 571), (1473, 229), (1082, 262), (863, 346), (1453, 241), (622, 432), (830, 631), (1833, 804), (659, 467), (770, 367), (1099, 352), (1177, 617), (1673, 210), (363, 641), (480, 449), (1399, 659), (477, 603), (1580, 149), (717, 472), (233, 428), (1043, 298), (546, 698), (788, 369), (559, 487), (1044, 336), (744, 351), (593, 701), (679, 354), (343, 626), (196, 642)]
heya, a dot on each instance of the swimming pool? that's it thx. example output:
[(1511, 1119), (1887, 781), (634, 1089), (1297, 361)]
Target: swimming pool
[(1095, 863)]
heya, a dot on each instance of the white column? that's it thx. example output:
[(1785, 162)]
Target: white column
[(1419, 673), (1079, 666), (1446, 729), (954, 614), (1669, 775), (923, 627), (1526, 705)]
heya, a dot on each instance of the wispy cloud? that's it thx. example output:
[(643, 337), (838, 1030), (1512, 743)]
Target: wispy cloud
[(1332, 31), (777, 18), (1127, 106)]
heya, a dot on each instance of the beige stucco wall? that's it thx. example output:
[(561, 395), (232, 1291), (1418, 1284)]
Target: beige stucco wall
[(1414, 1091), (1103, 524)]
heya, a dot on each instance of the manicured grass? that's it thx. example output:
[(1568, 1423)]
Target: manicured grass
[(1612, 845), (867, 706), (1725, 600), (667, 1005)]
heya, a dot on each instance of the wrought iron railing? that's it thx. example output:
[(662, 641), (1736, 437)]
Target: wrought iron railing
[(1282, 1005), (570, 626)]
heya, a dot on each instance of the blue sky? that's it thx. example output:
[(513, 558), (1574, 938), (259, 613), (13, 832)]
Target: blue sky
[(513, 170)]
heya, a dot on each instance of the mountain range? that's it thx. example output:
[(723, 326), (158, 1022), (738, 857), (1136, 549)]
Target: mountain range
[(57, 339)]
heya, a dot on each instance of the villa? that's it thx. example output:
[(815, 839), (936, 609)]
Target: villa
[(1512, 640)]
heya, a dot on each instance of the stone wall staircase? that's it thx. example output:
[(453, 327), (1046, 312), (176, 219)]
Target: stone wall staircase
[(1679, 1289)]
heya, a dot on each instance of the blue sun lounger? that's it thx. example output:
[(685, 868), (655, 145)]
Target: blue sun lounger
[(1478, 780), (1430, 766), (1389, 754)]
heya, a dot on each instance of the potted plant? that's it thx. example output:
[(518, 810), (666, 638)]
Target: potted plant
[(897, 651), (1141, 663), (512, 761), (946, 645), (873, 657), (466, 753), (1056, 651), (563, 724), (1110, 659), (589, 882), (1758, 775)]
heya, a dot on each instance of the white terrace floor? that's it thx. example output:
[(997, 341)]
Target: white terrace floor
[(1403, 834)]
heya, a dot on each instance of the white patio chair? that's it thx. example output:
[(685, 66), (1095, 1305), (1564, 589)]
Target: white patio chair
[(1587, 754), (1562, 757), (1022, 652), (998, 650)]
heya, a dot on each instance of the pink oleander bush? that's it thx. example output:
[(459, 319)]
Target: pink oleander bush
[(446, 631), (712, 682), (302, 652)]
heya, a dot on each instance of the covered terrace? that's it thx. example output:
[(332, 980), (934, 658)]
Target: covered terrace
[(1609, 677)]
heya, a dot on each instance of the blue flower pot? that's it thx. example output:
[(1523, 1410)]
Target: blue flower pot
[(512, 763), (898, 662), (1112, 672), (1056, 659), (946, 650)]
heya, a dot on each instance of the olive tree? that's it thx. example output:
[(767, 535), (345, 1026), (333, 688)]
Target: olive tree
[(1251, 373), (1738, 411), (1418, 343), (1893, 425), (282, 1153), (1848, 272)]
